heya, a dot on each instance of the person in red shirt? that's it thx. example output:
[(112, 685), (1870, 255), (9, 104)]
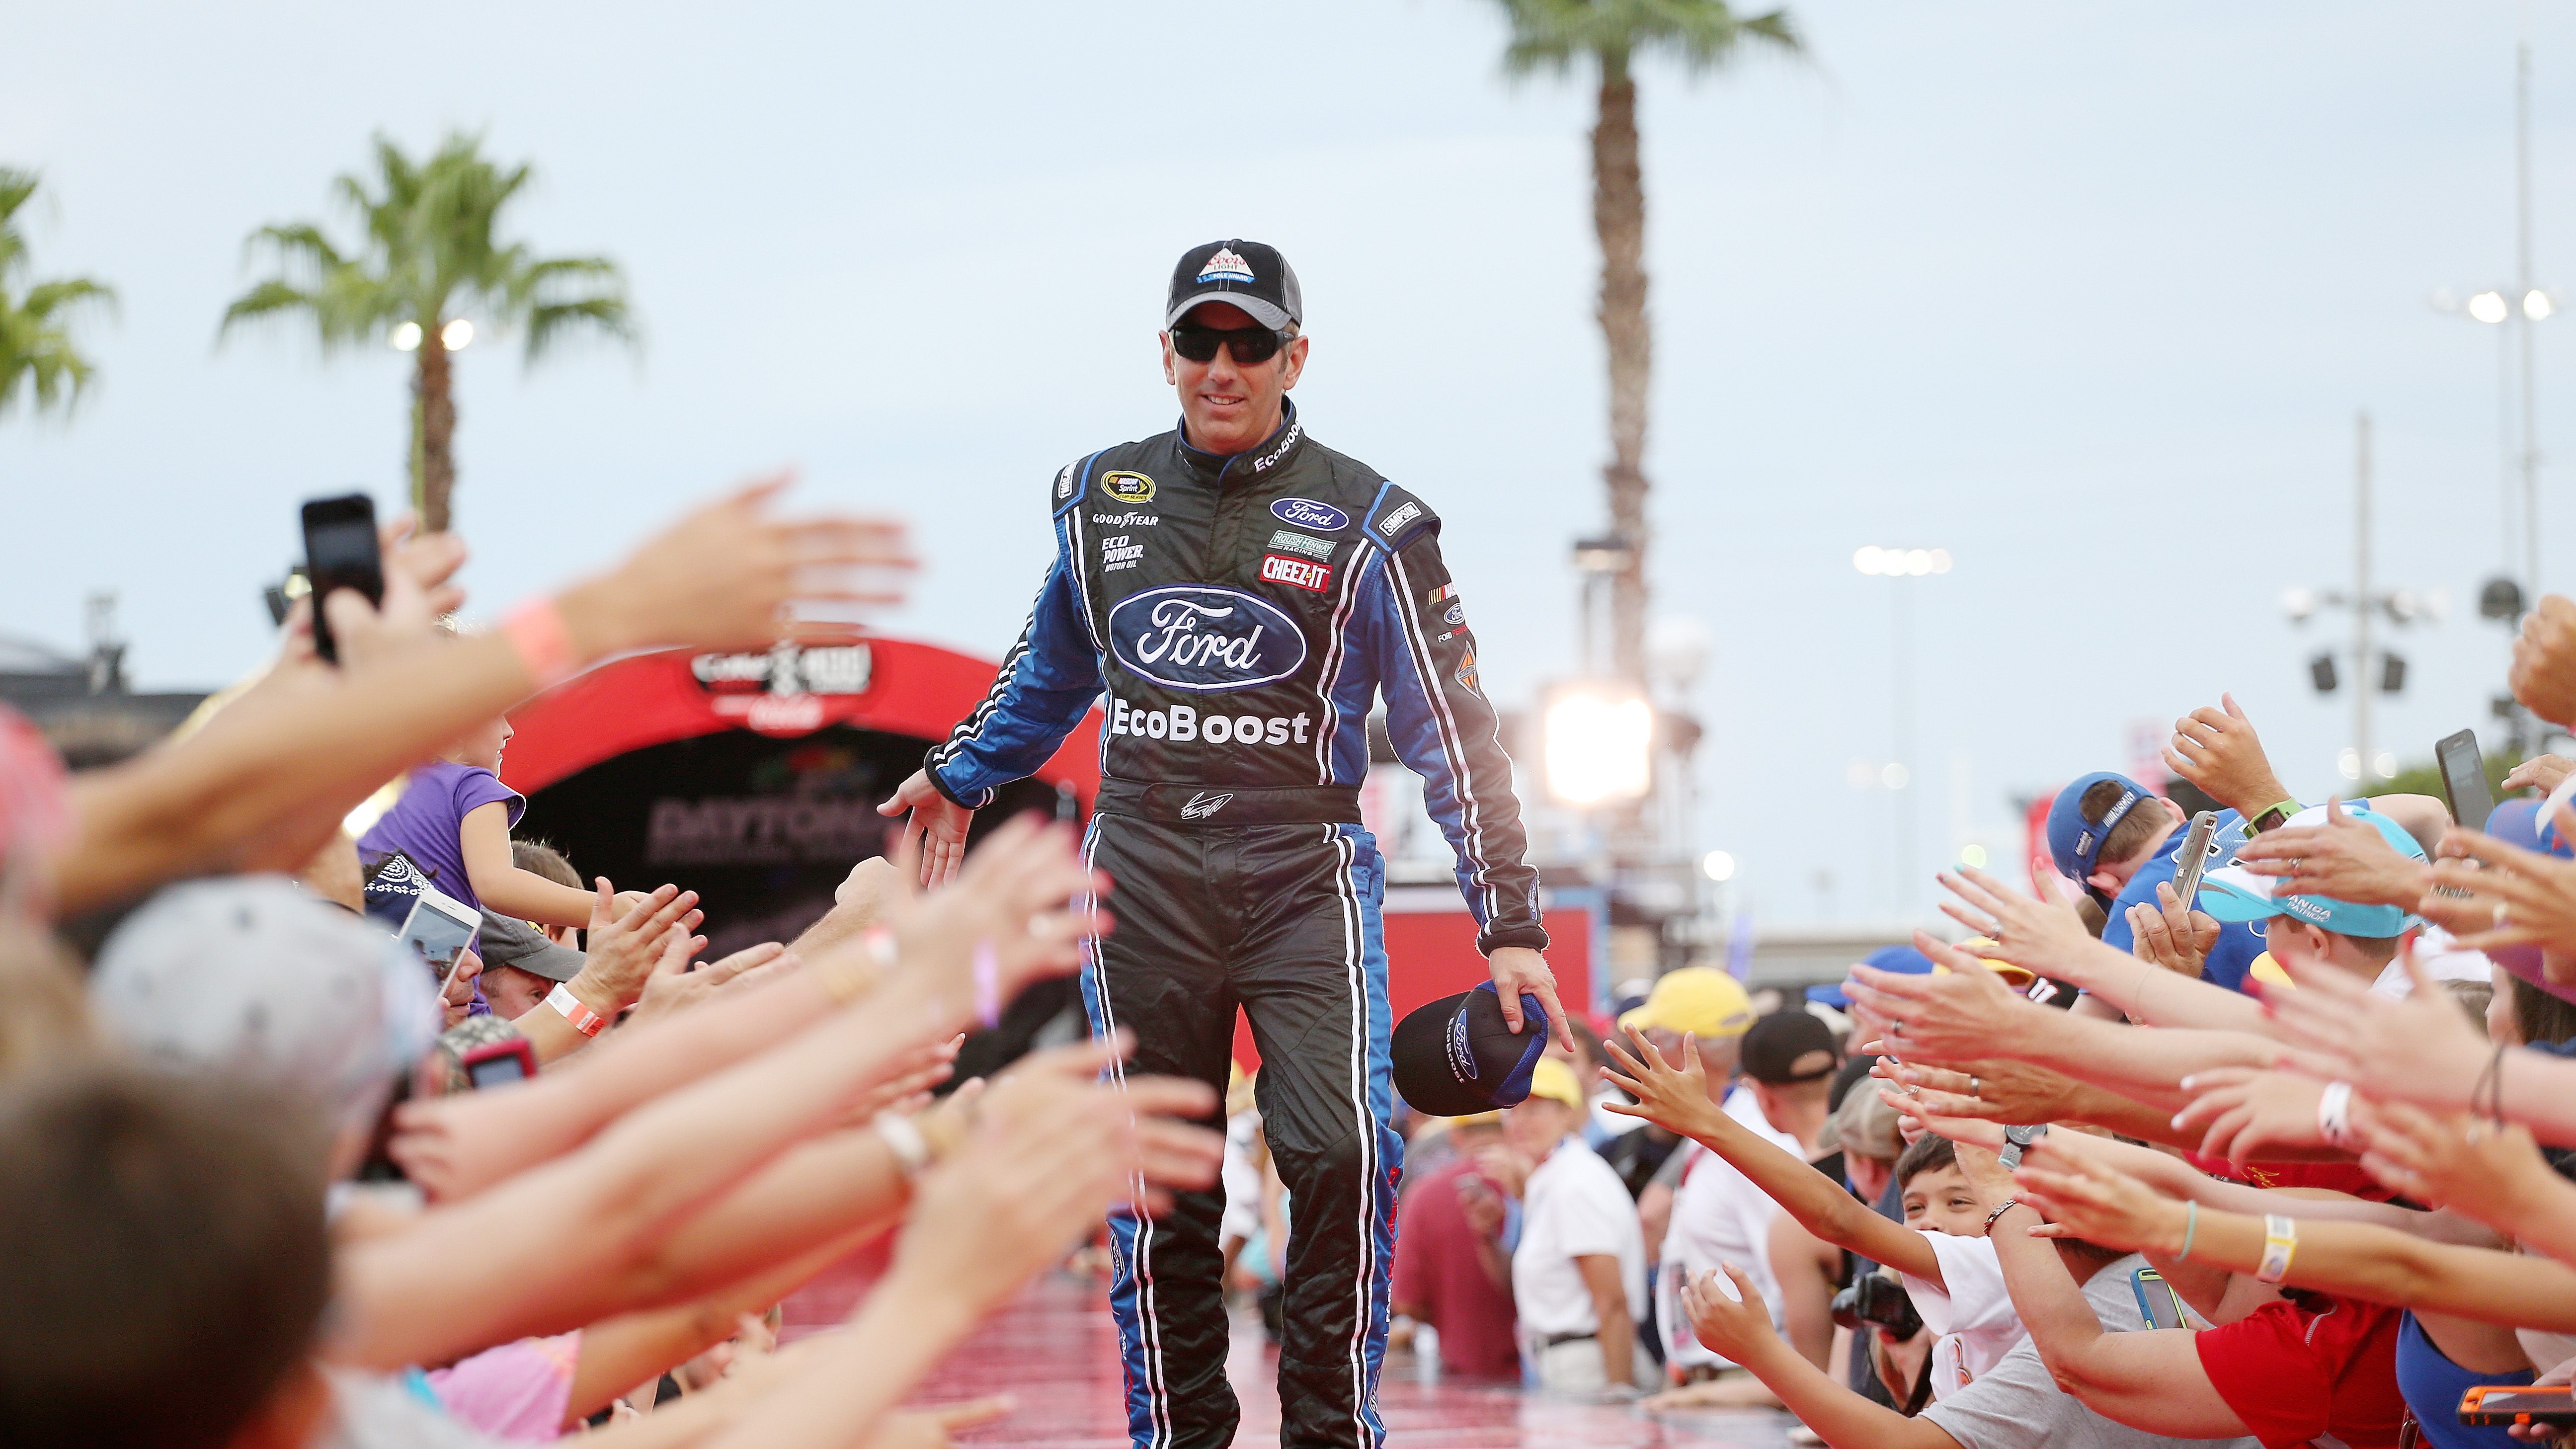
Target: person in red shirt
[(1450, 1268)]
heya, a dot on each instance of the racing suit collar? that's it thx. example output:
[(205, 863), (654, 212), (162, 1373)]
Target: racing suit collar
[(1268, 454)]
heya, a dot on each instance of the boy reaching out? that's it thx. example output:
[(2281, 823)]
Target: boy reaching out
[(1940, 1250)]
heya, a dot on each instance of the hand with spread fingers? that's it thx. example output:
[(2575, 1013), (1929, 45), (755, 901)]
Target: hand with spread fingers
[(2217, 750), (2243, 1113), (2170, 935), (2345, 859), (1672, 1095), (2085, 1198), (1013, 915), (1968, 1130), (2420, 1049), (2012, 1094), (1737, 1325), (674, 987), (1964, 1014), (2491, 893), (2543, 675), (2489, 1172), (2046, 936)]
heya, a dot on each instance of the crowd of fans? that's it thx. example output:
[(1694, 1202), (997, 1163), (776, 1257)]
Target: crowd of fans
[(259, 1190), (2138, 1162), (2282, 1157)]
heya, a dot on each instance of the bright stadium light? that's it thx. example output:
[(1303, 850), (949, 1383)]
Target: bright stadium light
[(457, 334), (2489, 307), (405, 337), (1718, 866), (2536, 305), (1600, 746)]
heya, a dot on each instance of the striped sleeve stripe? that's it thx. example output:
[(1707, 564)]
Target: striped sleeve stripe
[(1336, 650), (1452, 745)]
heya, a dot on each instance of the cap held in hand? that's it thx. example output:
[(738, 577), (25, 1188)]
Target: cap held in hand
[(1457, 1056)]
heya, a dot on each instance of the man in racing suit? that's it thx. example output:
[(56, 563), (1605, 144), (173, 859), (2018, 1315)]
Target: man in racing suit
[(1243, 594)]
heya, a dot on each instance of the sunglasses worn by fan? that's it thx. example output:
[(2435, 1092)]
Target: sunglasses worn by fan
[(1251, 346)]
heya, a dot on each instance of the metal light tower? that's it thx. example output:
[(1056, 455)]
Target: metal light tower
[(2401, 606)]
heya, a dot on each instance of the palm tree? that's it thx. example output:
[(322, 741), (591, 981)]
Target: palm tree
[(429, 255), (1554, 35), (36, 351)]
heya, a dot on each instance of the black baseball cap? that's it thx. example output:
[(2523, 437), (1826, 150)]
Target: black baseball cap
[(1457, 1056), (1250, 275), (1789, 1046), (509, 941)]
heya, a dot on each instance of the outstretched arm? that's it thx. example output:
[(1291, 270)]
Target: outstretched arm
[(2149, 1380), (1675, 1097), (1737, 1324)]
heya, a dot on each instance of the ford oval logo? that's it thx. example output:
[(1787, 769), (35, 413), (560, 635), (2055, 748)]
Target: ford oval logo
[(1307, 513), (1205, 640)]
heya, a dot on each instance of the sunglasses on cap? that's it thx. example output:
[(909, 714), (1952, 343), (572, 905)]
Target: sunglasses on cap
[(1251, 346)]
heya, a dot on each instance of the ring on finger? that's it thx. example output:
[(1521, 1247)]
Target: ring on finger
[(1977, 1088)]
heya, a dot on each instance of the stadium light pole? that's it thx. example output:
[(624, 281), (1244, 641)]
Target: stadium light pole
[(1900, 564)]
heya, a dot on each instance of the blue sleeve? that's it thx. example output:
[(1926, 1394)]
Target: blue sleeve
[(1046, 682), (1443, 727)]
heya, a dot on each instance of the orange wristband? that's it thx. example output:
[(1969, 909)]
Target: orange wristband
[(583, 1019), (536, 631)]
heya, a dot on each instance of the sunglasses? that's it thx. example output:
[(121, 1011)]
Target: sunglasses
[(1251, 346)]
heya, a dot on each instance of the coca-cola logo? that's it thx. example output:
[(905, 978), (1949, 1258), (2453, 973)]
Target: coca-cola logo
[(1204, 640)]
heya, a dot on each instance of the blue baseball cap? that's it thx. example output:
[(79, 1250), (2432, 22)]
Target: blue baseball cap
[(1456, 1057), (1899, 960), (2075, 843), (2519, 822), (2233, 893)]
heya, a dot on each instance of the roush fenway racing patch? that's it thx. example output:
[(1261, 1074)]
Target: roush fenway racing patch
[(1279, 568)]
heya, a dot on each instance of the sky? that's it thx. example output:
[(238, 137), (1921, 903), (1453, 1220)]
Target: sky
[(2089, 296)]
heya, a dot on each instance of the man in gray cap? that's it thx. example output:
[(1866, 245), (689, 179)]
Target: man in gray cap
[(1243, 594)]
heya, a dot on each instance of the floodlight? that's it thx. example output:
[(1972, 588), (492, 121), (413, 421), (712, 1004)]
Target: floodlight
[(1600, 746)]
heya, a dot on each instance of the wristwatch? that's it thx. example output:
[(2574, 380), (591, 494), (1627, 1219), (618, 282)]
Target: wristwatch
[(2271, 818), (2016, 1139)]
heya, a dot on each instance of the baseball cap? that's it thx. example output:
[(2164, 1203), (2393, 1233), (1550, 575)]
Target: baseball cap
[(1251, 275), (509, 941), (249, 974), (2527, 823), (1697, 1000), (2233, 893), (2075, 843), (1456, 1056), (1555, 1081), (2016, 977), (1789, 1046), (1864, 1125), (1900, 960)]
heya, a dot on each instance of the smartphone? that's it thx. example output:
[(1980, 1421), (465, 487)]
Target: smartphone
[(499, 1063), (440, 927), (340, 552), (2464, 778), (2195, 856), (2518, 1404), (2158, 1303)]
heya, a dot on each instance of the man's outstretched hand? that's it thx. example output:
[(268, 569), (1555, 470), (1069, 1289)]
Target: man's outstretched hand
[(1518, 969), (935, 823)]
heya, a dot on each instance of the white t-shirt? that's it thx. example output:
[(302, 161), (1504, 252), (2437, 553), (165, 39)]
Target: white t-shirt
[(2442, 960), (1718, 1216), (1969, 1311), (1574, 1206)]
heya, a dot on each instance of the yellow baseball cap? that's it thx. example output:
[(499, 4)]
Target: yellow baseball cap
[(2016, 977), (1555, 1080), (1699, 1000)]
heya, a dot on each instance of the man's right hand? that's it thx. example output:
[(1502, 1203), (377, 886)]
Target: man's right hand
[(937, 823)]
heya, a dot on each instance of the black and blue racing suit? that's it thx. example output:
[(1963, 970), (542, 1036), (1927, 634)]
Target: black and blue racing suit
[(1243, 614)]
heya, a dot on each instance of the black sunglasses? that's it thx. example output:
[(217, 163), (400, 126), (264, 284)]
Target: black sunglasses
[(1252, 346)]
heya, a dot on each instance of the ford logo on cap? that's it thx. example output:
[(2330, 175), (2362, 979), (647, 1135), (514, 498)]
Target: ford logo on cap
[(1205, 640), (1307, 513)]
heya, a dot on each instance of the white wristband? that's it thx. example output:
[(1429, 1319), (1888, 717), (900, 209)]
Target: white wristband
[(2334, 1114), (583, 1019), (2280, 1240), (904, 1139)]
